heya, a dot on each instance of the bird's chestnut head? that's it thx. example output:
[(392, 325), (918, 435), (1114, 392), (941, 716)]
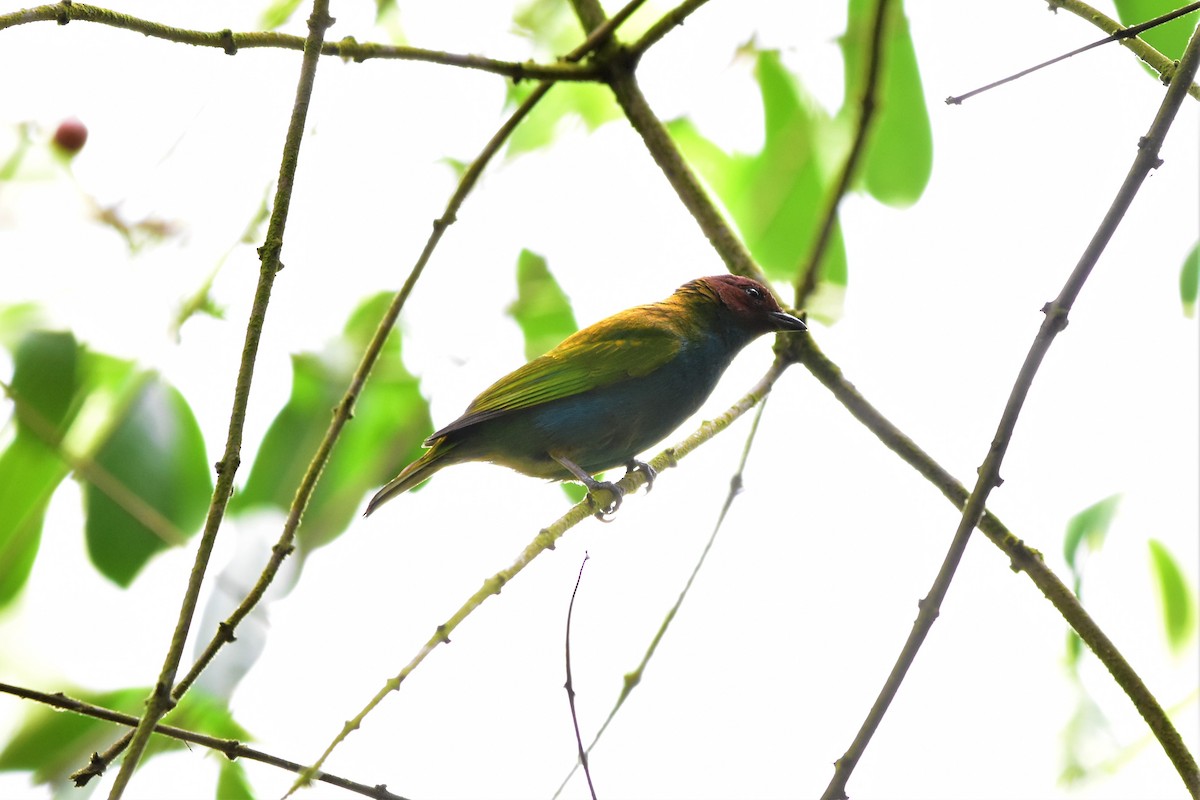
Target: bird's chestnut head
[(751, 303)]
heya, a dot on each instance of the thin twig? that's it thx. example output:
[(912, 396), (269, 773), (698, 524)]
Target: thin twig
[(806, 281), (230, 748), (665, 24), (570, 685), (1056, 312), (348, 49), (634, 677), (162, 698), (1117, 33)]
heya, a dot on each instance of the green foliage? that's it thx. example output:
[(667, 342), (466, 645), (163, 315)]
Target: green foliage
[(554, 31), (277, 13), (588, 103), (391, 419), (232, 783), (150, 484), (146, 484), (52, 744), (541, 309), (1178, 600), (1086, 532), (1089, 527), (45, 381), (1189, 280), (899, 156), (775, 196), (1169, 39)]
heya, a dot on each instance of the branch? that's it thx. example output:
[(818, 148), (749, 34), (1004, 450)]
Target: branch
[(162, 699), (570, 686), (230, 748), (1022, 558), (1118, 33), (989, 472), (807, 280), (348, 49), (1165, 67), (667, 23), (545, 540)]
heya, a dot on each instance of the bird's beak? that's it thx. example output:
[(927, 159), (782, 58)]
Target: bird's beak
[(786, 322)]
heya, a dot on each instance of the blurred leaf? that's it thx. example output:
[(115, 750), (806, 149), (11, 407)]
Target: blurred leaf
[(591, 104), (17, 321), (52, 744), (554, 31), (899, 157), (152, 484), (1178, 601), (1169, 39), (391, 419), (542, 309), (8, 169), (232, 783), (277, 13), (1189, 279), (775, 196), (45, 378), (1089, 527), (45, 381), (29, 474)]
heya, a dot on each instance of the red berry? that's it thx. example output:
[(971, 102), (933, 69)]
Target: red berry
[(70, 136)]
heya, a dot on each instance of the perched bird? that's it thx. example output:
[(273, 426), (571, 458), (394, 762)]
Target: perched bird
[(607, 392)]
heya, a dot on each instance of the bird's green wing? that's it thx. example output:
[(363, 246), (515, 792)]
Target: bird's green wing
[(627, 345)]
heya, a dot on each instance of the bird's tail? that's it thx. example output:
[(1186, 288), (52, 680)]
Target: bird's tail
[(430, 462)]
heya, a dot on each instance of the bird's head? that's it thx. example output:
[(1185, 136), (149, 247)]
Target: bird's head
[(750, 303)]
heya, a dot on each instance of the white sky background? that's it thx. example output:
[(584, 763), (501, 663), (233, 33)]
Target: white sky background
[(810, 590)]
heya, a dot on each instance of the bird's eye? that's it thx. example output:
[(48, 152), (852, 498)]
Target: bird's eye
[(754, 292)]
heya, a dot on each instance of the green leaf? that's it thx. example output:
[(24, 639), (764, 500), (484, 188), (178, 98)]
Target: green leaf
[(1178, 600), (775, 197), (1189, 279), (150, 485), (45, 382), (277, 13), (1089, 527), (570, 101), (232, 783), (541, 309), (899, 156), (8, 169), (1169, 39), (29, 474), (52, 744), (391, 419)]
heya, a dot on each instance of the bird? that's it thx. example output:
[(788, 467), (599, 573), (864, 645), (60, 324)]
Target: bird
[(606, 392)]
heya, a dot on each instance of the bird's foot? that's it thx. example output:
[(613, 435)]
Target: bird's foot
[(633, 465), (604, 513)]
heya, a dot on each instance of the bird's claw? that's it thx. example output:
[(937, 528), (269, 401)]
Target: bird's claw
[(633, 465), (605, 513)]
